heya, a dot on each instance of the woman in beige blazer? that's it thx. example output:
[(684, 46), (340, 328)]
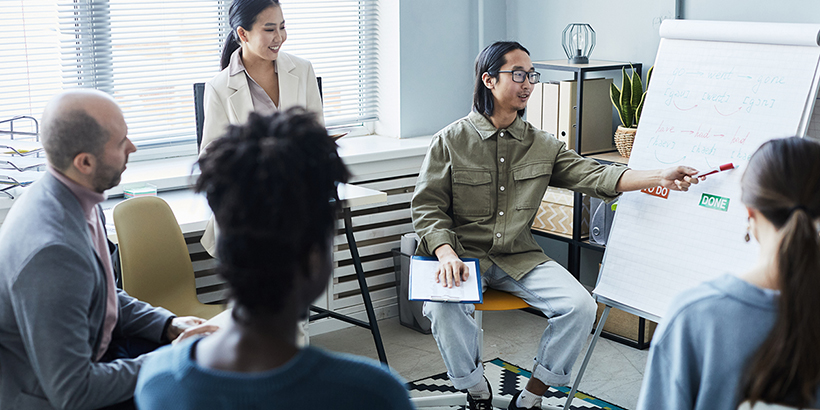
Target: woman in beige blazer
[(256, 76)]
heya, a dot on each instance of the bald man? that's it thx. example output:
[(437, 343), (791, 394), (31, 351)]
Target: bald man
[(68, 338)]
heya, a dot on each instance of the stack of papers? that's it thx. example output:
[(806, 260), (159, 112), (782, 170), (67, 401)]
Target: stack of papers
[(18, 163), (21, 163), (16, 147), (138, 190), (17, 178), (423, 284)]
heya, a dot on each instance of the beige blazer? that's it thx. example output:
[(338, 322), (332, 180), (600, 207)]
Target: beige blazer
[(228, 101)]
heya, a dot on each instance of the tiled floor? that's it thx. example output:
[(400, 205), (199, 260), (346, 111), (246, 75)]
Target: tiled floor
[(614, 373)]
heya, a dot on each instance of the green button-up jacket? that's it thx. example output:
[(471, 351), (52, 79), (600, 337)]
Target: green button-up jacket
[(480, 187)]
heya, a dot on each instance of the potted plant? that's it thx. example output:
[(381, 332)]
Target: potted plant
[(628, 100)]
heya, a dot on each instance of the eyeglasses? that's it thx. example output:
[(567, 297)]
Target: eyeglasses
[(519, 75)]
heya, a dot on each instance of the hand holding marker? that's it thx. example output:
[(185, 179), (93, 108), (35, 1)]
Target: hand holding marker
[(724, 167)]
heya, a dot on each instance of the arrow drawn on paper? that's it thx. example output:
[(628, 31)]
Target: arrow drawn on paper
[(683, 109), (664, 162), (726, 115)]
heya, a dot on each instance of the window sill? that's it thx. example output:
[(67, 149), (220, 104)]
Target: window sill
[(180, 172)]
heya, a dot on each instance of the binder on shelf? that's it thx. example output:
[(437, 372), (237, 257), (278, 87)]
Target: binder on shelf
[(542, 108), (596, 117), (552, 108), (535, 106), (423, 285)]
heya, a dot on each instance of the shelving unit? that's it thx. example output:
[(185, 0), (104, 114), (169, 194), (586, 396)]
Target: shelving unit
[(577, 241)]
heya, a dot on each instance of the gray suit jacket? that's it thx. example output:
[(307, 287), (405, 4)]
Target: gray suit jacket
[(52, 306)]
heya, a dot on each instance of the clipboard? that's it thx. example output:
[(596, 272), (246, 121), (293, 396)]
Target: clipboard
[(423, 285)]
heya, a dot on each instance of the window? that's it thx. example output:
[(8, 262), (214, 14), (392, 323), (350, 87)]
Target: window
[(148, 53), (30, 67)]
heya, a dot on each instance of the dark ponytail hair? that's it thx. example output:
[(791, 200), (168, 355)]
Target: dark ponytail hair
[(490, 61), (782, 182), (242, 13)]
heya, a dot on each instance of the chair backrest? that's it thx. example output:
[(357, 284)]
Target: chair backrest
[(199, 111), (156, 266)]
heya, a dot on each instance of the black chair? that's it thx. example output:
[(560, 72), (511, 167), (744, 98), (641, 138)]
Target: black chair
[(199, 110)]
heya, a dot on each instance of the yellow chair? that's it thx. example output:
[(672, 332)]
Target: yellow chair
[(156, 266), (494, 300)]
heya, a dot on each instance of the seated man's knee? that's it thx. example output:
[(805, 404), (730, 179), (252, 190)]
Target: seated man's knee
[(584, 305), (441, 311)]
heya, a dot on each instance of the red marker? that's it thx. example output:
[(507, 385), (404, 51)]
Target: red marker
[(724, 167)]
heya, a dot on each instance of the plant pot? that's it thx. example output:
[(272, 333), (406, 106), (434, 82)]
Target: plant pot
[(624, 137)]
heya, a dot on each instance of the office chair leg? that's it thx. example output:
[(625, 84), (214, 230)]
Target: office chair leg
[(479, 320), (368, 304)]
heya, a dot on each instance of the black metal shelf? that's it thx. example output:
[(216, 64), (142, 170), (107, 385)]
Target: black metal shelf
[(579, 75), (577, 240)]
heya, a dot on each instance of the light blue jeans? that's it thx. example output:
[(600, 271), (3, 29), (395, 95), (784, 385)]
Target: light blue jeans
[(549, 288)]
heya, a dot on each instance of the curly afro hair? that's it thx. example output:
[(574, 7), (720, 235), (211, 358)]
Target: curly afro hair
[(271, 183)]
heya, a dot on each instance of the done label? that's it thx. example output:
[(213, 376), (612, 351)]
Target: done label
[(657, 191), (715, 202)]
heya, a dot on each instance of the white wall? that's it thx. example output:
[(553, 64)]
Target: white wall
[(438, 41), (626, 30), (787, 11)]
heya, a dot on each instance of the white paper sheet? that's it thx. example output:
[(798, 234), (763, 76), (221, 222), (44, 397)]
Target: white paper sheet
[(423, 284)]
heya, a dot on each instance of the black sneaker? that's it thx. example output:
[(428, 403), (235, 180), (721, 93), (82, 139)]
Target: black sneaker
[(514, 400), (481, 404)]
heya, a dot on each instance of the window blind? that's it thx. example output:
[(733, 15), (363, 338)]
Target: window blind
[(148, 53), (340, 38), (30, 65)]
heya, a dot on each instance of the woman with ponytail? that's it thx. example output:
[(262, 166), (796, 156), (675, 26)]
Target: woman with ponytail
[(752, 338), (257, 76)]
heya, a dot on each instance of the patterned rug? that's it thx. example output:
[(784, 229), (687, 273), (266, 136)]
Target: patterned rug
[(506, 379)]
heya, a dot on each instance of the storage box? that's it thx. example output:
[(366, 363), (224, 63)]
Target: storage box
[(555, 213)]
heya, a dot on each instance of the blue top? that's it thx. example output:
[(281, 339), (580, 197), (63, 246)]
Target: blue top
[(702, 347), (312, 379)]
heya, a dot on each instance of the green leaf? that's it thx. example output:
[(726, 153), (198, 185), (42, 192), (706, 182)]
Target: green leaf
[(649, 77), (615, 96), (626, 99), (639, 110), (637, 91)]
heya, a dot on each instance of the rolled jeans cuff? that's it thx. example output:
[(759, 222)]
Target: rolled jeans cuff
[(470, 380), (548, 377)]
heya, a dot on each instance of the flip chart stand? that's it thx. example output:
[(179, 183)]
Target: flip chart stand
[(608, 304)]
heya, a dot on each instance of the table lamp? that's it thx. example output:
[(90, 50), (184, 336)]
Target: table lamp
[(578, 40)]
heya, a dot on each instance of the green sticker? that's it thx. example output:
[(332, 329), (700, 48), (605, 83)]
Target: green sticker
[(715, 202)]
